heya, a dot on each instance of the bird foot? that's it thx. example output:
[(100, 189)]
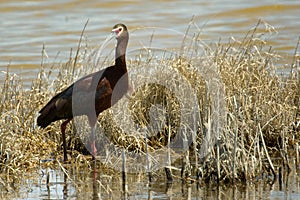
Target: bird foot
[(94, 150)]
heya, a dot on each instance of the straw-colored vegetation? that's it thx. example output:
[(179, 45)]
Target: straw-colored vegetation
[(261, 124)]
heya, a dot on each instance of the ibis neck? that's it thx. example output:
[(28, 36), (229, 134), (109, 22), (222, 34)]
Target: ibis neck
[(120, 53), (121, 62)]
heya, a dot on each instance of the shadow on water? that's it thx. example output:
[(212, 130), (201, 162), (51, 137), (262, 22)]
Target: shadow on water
[(92, 183)]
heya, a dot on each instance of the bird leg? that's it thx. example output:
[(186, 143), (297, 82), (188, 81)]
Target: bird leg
[(92, 118), (93, 145), (63, 134)]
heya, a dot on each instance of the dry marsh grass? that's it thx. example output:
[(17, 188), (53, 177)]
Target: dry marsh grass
[(262, 120)]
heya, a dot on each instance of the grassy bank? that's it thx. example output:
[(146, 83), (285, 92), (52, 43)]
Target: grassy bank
[(260, 131)]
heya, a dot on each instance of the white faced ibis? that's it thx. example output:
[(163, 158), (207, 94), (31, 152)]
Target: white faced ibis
[(101, 85)]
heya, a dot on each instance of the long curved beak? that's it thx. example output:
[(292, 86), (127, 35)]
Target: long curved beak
[(111, 35)]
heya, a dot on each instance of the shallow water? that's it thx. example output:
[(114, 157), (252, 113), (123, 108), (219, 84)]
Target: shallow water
[(26, 25), (84, 185)]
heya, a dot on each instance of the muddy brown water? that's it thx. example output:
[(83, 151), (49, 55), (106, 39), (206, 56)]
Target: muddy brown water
[(26, 26)]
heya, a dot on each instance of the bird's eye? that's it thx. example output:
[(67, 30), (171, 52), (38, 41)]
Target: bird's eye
[(120, 29)]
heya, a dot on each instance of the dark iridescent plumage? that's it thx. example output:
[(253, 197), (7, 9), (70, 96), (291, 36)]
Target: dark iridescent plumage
[(107, 86)]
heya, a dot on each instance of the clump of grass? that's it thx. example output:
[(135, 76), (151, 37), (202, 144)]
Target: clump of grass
[(21, 146), (261, 122), (262, 118), (263, 109)]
